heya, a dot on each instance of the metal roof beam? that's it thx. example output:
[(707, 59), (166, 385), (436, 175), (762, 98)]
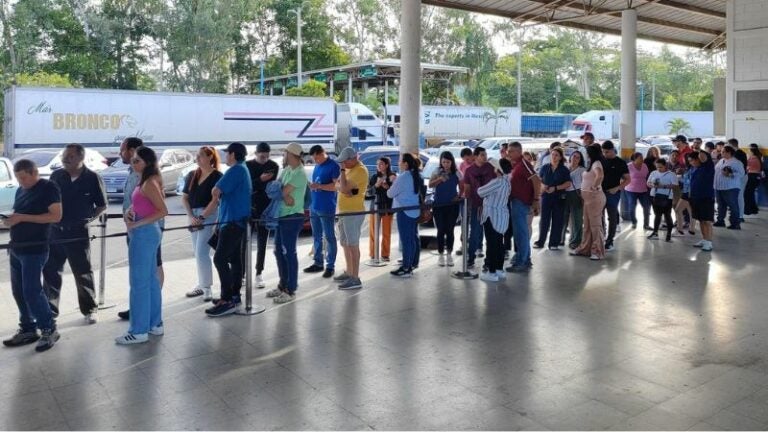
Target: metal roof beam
[(691, 8)]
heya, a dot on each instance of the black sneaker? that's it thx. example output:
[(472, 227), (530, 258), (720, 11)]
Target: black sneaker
[(653, 236), (402, 272), (124, 315), (328, 273), (459, 252), (734, 227), (537, 245), (314, 268), (47, 340), (719, 224), (22, 338), (222, 309)]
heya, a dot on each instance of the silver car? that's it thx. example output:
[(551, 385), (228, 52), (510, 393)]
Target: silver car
[(172, 163)]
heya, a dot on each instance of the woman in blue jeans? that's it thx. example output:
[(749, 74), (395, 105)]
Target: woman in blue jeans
[(405, 193), (141, 220), (555, 179), (294, 181)]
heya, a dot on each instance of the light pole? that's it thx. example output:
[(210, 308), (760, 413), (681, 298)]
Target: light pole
[(642, 104), (297, 12)]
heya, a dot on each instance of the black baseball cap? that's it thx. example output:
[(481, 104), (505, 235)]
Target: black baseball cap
[(680, 138), (263, 147), (588, 134), (238, 149)]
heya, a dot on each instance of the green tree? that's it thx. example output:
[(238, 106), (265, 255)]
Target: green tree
[(310, 88), (678, 126)]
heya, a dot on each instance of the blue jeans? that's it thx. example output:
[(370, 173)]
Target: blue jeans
[(203, 253), (475, 233), (286, 236), (26, 284), (145, 295), (323, 226), (406, 228), (645, 202), (728, 199), (519, 211)]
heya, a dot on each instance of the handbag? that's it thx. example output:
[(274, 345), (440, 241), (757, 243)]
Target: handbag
[(214, 240), (425, 211)]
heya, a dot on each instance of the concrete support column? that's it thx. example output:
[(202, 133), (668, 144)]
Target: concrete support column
[(349, 89), (410, 75), (330, 89), (627, 126)]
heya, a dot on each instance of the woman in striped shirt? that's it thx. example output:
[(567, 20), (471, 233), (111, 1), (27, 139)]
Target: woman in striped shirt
[(495, 220)]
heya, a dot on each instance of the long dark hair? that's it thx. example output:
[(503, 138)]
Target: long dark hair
[(755, 151), (413, 168), (388, 162), (448, 156), (150, 161), (595, 154)]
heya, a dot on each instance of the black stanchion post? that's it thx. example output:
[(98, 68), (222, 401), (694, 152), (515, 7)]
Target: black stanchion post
[(376, 261), (250, 308), (103, 262), (464, 273)]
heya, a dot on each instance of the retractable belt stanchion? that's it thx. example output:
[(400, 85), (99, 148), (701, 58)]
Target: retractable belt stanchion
[(464, 273), (250, 308), (376, 261), (103, 263)]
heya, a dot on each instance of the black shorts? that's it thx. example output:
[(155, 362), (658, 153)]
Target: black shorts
[(703, 209)]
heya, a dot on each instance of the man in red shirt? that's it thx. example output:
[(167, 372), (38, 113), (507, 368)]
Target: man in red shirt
[(476, 175), (524, 197), (681, 142)]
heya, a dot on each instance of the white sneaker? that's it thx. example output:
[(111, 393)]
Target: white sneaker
[(707, 247), (449, 260), (91, 318), (441, 260), (594, 257), (157, 330), (284, 297), (260, 282), (274, 293), (207, 296), (699, 243), (489, 277), (501, 274), (131, 339)]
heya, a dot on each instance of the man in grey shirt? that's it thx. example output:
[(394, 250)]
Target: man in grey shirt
[(127, 152)]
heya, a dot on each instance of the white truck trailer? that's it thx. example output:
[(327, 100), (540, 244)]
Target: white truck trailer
[(38, 118), (605, 124), (463, 122)]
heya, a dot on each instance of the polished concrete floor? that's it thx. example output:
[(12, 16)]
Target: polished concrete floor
[(658, 336)]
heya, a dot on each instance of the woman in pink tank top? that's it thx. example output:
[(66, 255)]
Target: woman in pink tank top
[(147, 208)]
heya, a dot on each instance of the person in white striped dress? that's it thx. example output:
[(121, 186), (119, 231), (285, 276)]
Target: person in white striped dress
[(495, 220)]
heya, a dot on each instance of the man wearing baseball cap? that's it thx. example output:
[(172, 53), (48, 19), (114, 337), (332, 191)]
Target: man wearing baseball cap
[(262, 170), (233, 191), (322, 211), (353, 180), (681, 142)]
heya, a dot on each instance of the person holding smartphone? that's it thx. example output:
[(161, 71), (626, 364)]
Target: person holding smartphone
[(322, 211), (262, 170), (352, 182)]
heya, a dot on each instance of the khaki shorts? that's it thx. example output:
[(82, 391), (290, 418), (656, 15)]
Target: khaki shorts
[(349, 229)]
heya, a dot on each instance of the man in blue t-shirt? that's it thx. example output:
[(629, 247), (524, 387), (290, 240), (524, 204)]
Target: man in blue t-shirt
[(322, 210), (233, 191), (36, 207)]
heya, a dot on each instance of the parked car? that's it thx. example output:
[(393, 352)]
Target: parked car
[(49, 160), (8, 186), (371, 155), (172, 163), (492, 145)]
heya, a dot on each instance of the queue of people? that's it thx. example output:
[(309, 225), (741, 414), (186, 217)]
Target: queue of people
[(570, 194)]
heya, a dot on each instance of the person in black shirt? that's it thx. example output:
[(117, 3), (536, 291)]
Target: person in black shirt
[(616, 177), (262, 170), (83, 199), (380, 182), (200, 206), (36, 207), (742, 157)]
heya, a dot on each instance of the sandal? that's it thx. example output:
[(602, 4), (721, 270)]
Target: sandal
[(197, 292)]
